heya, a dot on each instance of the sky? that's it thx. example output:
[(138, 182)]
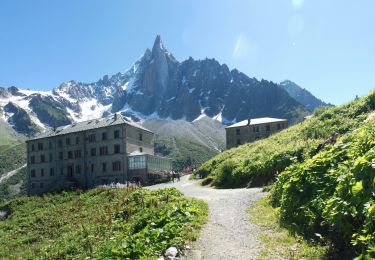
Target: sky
[(325, 46)]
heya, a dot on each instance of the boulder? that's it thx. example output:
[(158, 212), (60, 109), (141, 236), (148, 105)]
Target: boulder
[(4, 213)]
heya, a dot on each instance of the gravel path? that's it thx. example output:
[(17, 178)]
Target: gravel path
[(228, 233)]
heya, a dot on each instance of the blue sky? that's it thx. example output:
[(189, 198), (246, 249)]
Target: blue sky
[(326, 46)]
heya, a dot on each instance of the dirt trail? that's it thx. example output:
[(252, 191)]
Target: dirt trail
[(228, 233)]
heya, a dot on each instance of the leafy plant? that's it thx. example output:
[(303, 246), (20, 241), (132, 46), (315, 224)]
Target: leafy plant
[(100, 223)]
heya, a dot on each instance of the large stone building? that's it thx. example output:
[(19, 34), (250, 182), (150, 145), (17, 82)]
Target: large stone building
[(91, 153), (251, 130)]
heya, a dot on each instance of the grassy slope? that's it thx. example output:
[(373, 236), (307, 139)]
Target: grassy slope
[(183, 152), (278, 242), (100, 224), (259, 162)]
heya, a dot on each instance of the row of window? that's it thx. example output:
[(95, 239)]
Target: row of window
[(116, 166), (69, 140), (268, 128), (33, 173), (103, 150)]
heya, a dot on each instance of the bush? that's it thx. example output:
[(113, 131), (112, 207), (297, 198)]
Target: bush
[(333, 193)]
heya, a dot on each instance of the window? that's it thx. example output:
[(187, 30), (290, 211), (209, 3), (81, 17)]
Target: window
[(33, 185), (140, 137), (32, 173), (104, 167), (77, 140), (50, 145), (278, 126), (70, 155), (104, 136), (32, 147), (238, 141), (62, 171), (141, 149), (117, 134), (42, 173), (60, 155), (139, 162), (238, 132), (116, 166), (77, 154), (41, 185), (91, 138), (268, 128), (51, 172), (257, 129), (103, 150), (93, 151), (117, 148), (92, 167), (40, 146), (42, 158), (60, 143), (32, 159), (78, 168), (67, 141)]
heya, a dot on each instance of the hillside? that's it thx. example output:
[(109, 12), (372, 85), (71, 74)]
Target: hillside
[(100, 224), (187, 143), (259, 163)]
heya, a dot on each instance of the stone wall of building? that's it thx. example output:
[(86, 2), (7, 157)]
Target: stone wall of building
[(87, 158), (139, 140)]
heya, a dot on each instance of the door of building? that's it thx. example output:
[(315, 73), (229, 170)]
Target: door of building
[(70, 171)]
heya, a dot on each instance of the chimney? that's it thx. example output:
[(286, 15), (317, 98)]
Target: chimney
[(115, 116), (248, 121), (54, 128)]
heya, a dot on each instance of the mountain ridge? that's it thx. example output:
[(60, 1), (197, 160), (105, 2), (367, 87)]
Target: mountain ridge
[(156, 86)]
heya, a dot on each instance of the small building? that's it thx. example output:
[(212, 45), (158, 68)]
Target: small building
[(90, 153), (251, 130)]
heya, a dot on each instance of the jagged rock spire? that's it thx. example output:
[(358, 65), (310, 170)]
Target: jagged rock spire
[(158, 45)]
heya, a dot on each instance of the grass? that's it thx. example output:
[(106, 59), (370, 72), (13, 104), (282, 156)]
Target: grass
[(12, 157), (278, 242), (100, 223)]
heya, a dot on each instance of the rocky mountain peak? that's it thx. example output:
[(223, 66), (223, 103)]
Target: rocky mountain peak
[(158, 45)]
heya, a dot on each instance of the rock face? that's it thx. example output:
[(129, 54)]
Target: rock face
[(302, 95), (20, 119), (157, 86)]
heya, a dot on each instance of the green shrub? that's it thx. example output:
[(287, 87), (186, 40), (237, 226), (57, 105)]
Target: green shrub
[(332, 194)]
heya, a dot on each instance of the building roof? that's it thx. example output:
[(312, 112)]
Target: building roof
[(117, 119), (257, 121)]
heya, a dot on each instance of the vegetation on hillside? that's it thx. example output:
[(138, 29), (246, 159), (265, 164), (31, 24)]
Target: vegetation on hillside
[(12, 157), (260, 162), (100, 223), (332, 195), (16, 185), (184, 153)]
